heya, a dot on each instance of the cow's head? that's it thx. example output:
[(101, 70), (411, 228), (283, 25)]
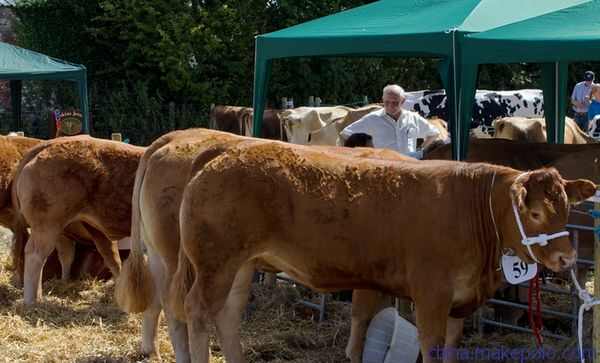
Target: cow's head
[(316, 126), (541, 200), (299, 125)]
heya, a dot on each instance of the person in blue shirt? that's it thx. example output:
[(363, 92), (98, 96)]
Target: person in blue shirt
[(580, 98), (594, 109)]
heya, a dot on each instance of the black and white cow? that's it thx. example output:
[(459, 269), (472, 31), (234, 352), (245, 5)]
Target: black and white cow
[(488, 105)]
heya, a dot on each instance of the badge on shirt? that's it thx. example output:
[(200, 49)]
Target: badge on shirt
[(411, 131), (516, 270)]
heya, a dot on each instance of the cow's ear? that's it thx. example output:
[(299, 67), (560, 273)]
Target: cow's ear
[(579, 190), (518, 194), (326, 116), (499, 125), (518, 191)]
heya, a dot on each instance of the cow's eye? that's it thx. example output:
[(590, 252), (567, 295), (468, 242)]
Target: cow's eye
[(536, 215)]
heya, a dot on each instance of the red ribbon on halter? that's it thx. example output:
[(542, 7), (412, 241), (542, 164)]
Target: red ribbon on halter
[(535, 323)]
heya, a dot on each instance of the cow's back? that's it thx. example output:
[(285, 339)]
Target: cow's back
[(573, 161), (99, 172), (320, 210)]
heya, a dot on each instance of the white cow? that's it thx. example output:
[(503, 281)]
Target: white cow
[(312, 125)]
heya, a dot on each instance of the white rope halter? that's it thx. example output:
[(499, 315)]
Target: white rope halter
[(588, 302), (541, 239)]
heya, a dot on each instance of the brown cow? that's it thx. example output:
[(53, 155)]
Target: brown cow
[(534, 130), (227, 118), (334, 222), (163, 172), (238, 120), (271, 127), (78, 181), (572, 161)]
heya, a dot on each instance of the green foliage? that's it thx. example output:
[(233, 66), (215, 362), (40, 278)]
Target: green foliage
[(155, 65), (59, 28), (141, 114), (146, 40)]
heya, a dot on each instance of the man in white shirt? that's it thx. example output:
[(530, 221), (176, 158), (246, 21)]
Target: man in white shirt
[(392, 127)]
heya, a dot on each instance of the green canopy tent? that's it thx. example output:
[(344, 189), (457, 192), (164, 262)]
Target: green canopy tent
[(553, 39), (17, 64), (415, 28)]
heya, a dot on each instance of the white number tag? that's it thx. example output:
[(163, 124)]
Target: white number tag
[(517, 271)]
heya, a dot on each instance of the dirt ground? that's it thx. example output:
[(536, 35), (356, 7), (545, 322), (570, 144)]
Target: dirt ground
[(78, 322)]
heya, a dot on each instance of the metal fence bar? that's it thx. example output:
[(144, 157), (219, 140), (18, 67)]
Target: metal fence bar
[(322, 298), (557, 290), (521, 329), (524, 307)]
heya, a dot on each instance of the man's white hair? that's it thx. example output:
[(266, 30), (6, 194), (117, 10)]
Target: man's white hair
[(394, 89)]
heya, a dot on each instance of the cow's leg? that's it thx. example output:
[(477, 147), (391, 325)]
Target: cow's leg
[(206, 299), (179, 337), (41, 243), (109, 250), (149, 327), (197, 320), (454, 332), (432, 310), (151, 316), (228, 319), (66, 254), (177, 329), (365, 304)]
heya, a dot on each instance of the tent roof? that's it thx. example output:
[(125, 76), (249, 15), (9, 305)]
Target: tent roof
[(411, 27), (571, 33), (19, 63), (464, 33)]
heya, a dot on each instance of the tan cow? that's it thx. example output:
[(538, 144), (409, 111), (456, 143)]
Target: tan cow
[(364, 233), (302, 123), (163, 172), (534, 130), (70, 181), (71, 260)]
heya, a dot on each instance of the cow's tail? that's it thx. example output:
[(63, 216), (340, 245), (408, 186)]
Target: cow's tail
[(19, 224), (180, 285), (20, 237), (185, 275), (134, 288)]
